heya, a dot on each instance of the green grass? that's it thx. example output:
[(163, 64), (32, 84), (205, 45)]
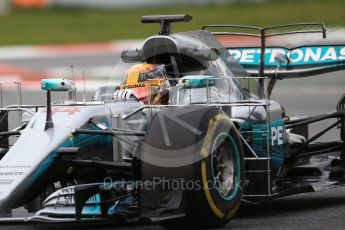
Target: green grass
[(69, 26)]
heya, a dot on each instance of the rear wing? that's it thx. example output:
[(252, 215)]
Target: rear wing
[(306, 55)]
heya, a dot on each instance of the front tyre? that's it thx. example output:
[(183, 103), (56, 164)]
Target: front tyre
[(220, 174)]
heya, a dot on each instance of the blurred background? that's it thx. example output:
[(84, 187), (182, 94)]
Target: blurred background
[(66, 21), (44, 38)]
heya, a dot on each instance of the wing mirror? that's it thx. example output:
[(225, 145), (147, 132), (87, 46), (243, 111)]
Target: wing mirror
[(196, 81), (57, 84)]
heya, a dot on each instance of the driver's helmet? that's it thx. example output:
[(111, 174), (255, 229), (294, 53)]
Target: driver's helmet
[(148, 82)]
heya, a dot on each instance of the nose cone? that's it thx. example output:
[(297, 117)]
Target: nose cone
[(25, 165), (26, 162)]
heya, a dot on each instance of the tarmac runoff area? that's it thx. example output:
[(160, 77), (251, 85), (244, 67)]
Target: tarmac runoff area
[(307, 96)]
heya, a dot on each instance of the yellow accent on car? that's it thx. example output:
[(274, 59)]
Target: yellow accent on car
[(209, 198), (205, 151), (211, 126), (70, 136), (207, 143), (233, 212)]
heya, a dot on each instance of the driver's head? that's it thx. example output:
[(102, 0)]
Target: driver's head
[(148, 82)]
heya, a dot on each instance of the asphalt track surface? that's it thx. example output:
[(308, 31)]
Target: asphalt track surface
[(322, 210)]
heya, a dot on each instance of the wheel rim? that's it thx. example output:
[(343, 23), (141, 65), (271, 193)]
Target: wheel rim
[(224, 159)]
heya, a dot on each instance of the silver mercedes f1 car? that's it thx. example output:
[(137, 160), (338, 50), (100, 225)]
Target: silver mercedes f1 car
[(217, 140)]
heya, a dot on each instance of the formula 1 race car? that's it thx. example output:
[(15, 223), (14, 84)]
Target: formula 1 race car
[(215, 140)]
